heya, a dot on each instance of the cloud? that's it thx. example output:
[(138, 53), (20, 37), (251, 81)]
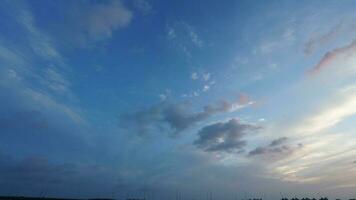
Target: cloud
[(224, 136), (323, 126), (143, 6), (55, 81), (322, 39), (194, 76), (184, 37), (38, 175), (34, 170), (275, 44), (176, 117), (225, 106), (202, 76), (336, 57), (277, 149), (330, 115), (194, 36), (88, 23), (40, 42), (206, 88), (278, 141), (23, 120), (103, 19), (162, 97), (33, 91), (171, 33), (52, 75), (206, 76)]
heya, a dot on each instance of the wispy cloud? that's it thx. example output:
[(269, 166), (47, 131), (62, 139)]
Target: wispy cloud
[(41, 43), (271, 45), (322, 39), (329, 116), (184, 36), (143, 6), (336, 57)]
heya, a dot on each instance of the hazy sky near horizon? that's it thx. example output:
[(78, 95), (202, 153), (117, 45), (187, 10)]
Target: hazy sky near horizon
[(132, 97)]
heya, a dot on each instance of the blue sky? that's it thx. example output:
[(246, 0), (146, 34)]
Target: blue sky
[(126, 98)]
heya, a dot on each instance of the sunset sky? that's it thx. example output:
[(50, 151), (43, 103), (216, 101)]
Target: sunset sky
[(152, 98)]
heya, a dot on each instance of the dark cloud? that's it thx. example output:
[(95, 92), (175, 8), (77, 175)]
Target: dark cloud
[(175, 117), (33, 170), (224, 136), (37, 175), (278, 148), (278, 141), (26, 119), (258, 151), (164, 116)]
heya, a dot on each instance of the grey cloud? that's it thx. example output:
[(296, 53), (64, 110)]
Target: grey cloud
[(90, 23), (224, 136), (278, 148), (99, 21), (174, 117), (37, 175), (29, 119), (33, 169), (330, 56), (278, 141), (321, 40), (258, 151)]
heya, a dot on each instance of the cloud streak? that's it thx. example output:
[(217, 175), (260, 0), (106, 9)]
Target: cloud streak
[(277, 149), (321, 40), (332, 56)]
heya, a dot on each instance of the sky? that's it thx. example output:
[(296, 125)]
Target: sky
[(159, 99)]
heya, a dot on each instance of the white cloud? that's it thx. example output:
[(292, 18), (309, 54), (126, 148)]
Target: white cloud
[(171, 33), (194, 76), (55, 80), (184, 37), (41, 43), (270, 45), (143, 6), (29, 80), (206, 76), (289, 35), (324, 101), (203, 76), (329, 116), (206, 88), (194, 37)]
